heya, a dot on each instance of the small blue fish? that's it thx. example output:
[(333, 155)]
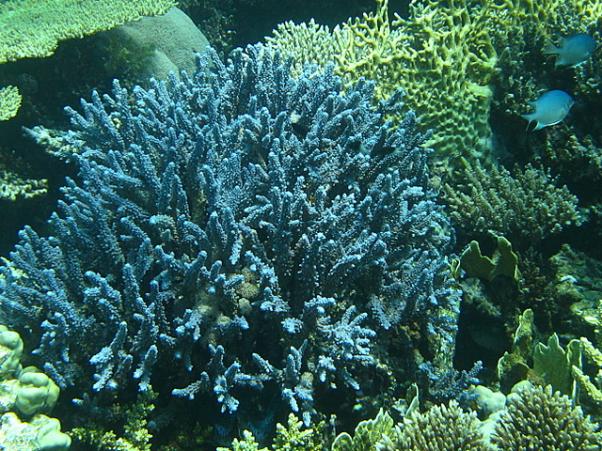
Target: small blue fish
[(573, 50), (551, 108)]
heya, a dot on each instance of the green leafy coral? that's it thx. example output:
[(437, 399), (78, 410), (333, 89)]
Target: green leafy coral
[(503, 262), (574, 370), (379, 432)]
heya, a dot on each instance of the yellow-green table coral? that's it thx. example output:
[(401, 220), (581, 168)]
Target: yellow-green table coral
[(10, 102), (33, 28)]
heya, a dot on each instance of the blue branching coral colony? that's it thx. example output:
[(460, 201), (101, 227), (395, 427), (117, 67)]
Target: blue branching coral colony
[(239, 236)]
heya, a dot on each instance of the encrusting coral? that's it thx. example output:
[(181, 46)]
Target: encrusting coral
[(250, 231)]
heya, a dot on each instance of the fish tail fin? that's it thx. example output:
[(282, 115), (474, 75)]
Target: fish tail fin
[(539, 126), (530, 117)]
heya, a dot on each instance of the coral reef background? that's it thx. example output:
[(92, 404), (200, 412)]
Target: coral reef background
[(300, 225)]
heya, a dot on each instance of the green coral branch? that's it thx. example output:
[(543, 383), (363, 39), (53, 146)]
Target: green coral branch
[(10, 102), (13, 186), (525, 206), (292, 437)]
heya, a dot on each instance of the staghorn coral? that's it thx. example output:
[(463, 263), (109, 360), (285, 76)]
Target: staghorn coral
[(525, 206), (248, 230), (10, 102), (537, 418), (441, 428)]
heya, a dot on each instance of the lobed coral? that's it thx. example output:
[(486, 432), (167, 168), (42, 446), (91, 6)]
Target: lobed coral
[(26, 394), (248, 230)]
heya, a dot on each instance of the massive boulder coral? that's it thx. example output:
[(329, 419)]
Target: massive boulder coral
[(238, 235)]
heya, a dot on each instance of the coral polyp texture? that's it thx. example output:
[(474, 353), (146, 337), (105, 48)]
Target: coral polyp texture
[(238, 235), (525, 205), (442, 428), (10, 102), (537, 418), (33, 28)]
